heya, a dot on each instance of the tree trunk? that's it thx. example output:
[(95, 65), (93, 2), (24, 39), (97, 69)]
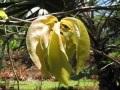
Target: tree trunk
[(0, 64), (106, 79), (106, 76)]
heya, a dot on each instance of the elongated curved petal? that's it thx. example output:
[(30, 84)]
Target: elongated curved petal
[(70, 45), (82, 40), (45, 37), (57, 58), (44, 40), (33, 41), (47, 19)]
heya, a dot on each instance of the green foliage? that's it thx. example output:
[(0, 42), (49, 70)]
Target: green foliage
[(12, 44), (48, 85), (114, 54), (86, 72)]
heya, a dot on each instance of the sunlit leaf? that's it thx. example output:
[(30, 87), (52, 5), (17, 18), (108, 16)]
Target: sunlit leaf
[(82, 40), (57, 58), (13, 44), (3, 14)]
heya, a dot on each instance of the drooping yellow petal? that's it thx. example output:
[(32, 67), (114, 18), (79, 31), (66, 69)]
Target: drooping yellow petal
[(70, 46), (45, 37), (33, 41), (47, 19), (82, 40), (44, 40), (57, 58), (63, 39)]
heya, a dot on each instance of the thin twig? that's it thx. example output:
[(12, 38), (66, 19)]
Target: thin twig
[(102, 53), (11, 61), (107, 65), (17, 19), (11, 22), (41, 83)]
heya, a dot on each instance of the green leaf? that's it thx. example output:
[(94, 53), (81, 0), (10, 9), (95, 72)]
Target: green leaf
[(13, 44), (86, 72), (82, 40), (57, 58), (3, 15)]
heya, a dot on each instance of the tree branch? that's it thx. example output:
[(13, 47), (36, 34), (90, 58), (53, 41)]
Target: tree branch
[(16, 21), (59, 14), (102, 53), (88, 8)]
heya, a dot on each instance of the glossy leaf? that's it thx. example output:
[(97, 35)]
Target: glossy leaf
[(57, 58), (82, 40)]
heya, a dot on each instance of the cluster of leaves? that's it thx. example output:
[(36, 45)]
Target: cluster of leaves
[(86, 72), (52, 44)]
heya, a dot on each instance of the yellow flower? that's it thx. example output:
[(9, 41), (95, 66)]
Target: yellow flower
[(52, 43)]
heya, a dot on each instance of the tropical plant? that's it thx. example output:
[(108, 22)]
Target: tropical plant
[(101, 18), (52, 44)]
